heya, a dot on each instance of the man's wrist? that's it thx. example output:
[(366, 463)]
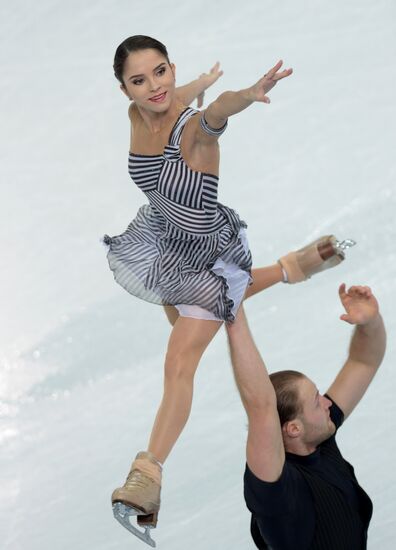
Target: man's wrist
[(372, 324)]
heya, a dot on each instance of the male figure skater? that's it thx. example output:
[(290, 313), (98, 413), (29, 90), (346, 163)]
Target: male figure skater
[(301, 492)]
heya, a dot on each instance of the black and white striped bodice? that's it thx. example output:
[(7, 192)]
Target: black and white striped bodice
[(187, 199)]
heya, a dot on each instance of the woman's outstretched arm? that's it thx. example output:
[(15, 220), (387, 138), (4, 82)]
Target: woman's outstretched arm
[(231, 103), (196, 88)]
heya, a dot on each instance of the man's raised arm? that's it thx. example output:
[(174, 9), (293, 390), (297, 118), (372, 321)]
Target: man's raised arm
[(265, 449), (366, 350)]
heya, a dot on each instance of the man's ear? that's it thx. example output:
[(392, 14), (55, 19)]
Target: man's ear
[(293, 428)]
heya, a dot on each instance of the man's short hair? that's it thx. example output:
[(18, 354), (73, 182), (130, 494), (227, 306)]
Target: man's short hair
[(287, 396)]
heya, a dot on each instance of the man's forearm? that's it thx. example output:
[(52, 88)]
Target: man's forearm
[(250, 373), (368, 343)]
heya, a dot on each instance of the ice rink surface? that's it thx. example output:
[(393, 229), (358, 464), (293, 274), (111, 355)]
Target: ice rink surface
[(80, 359)]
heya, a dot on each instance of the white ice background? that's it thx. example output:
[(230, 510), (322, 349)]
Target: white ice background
[(81, 360)]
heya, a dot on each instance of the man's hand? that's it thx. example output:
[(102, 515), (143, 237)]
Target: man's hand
[(267, 82), (366, 349), (360, 304)]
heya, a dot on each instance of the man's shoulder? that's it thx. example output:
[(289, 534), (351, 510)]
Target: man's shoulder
[(275, 497), (286, 501)]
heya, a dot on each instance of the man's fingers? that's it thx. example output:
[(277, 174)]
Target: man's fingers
[(361, 291), (346, 318), (341, 290), (352, 290), (357, 290)]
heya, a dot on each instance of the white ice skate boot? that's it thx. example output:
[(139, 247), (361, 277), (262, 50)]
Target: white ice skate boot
[(140, 496), (322, 254)]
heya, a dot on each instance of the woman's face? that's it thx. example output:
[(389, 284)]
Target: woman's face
[(149, 80)]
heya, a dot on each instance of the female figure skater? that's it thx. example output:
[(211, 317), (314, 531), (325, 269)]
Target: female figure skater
[(184, 249)]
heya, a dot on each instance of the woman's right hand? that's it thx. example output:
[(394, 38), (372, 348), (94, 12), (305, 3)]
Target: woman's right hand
[(258, 91), (230, 103)]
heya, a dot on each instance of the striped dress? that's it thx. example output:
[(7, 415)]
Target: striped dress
[(183, 248)]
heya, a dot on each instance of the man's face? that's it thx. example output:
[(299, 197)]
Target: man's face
[(315, 418)]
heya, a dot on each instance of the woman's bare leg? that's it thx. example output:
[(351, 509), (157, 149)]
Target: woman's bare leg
[(188, 341), (264, 277), (172, 314)]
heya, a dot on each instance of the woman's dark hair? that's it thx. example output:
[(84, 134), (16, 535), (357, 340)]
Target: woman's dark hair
[(287, 397), (134, 44)]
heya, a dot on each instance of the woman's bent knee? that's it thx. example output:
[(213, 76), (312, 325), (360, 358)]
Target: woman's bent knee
[(181, 366)]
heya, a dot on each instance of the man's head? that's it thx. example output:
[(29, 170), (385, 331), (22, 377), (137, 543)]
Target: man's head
[(304, 413)]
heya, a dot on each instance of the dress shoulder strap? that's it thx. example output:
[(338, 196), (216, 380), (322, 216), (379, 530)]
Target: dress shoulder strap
[(178, 128)]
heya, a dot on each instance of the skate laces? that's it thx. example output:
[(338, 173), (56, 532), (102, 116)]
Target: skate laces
[(146, 467), (137, 480)]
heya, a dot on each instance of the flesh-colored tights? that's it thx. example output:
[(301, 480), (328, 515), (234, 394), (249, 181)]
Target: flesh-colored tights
[(188, 340)]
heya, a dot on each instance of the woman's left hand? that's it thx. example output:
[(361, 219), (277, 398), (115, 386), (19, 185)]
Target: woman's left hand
[(259, 90), (214, 74), (208, 79)]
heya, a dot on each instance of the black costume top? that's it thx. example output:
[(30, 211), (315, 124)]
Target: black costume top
[(316, 504)]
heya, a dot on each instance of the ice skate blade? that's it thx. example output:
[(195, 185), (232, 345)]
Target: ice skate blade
[(123, 513), (345, 244)]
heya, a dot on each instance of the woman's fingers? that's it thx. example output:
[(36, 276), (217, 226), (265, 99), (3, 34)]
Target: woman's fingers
[(283, 74), (215, 67), (268, 81), (215, 70), (274, 69), (273, 73)]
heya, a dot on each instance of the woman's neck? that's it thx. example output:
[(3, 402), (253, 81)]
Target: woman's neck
[(157, 122)]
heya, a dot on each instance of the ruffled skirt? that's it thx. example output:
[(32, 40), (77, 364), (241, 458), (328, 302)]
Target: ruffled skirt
[(204, 276)]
